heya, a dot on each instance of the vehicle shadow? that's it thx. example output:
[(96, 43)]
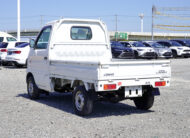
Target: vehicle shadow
[(13, 67), (101, 109)]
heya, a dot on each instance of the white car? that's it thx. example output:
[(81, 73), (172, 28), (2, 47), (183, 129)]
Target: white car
[(4, 37), (3, 50), (161, 51), (140, 50), (18, 55), (177, 49)]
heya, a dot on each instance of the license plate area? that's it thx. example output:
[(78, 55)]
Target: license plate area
[(133, 91)]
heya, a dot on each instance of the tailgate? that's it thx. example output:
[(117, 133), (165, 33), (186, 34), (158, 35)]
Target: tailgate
[(134, 69)]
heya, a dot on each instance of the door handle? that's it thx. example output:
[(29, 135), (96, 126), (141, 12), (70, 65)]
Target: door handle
[(45, 58)]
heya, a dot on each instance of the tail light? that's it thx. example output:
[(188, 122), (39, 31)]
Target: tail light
[(109, 86), (3, 50), (160, 83), (17, 52)]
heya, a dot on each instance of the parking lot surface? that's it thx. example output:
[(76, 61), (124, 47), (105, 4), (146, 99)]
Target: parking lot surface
[(52, 116)]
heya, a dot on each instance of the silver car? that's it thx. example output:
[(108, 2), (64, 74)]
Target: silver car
[(140, 50), (161, 51)]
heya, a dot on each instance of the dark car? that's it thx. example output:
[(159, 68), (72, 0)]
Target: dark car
[(120, 51), (184, 42)]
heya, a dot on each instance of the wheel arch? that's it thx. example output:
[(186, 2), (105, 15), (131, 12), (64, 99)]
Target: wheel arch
[(87, 85)]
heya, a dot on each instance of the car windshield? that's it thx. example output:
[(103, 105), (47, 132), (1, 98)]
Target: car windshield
[(146, 44), (125, 44), (116, 44), (9, 39), (157, 45), (3, 45), (174, 43), (187, 42), (138, 44), (1, 39), (22, 45)]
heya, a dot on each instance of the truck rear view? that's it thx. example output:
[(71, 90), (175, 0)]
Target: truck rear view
[(74, 55)]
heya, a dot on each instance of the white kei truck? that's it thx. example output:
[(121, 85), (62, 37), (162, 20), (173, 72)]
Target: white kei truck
[(74, 55)]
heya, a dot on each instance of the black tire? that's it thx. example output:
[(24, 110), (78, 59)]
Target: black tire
[(156, 56), (136, 54), (146, 101), (32, 89), (174, 54), (82, 101)]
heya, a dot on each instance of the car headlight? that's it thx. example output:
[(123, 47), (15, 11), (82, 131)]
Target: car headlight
[(180, 48), (140, 49)]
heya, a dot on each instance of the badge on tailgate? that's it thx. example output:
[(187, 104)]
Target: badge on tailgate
[(133, 91)]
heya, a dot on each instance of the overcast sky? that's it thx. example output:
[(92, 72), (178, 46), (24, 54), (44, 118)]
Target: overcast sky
[(35, 13)]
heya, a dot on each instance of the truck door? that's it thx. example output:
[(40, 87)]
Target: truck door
[(40, 62)]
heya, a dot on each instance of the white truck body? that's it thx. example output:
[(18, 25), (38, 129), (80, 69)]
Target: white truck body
[(89, 62)]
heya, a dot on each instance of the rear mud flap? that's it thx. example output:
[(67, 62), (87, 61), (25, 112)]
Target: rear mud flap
[(156, 91)]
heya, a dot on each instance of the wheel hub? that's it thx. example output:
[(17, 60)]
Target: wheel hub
[(30, 88), (79, 100)]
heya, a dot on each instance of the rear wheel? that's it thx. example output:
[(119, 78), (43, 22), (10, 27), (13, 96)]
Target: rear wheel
[(32, 88), (146, 101), (82, 101)]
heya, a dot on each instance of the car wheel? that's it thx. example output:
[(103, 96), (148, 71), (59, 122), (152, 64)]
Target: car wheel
[(82, 101), (146, 101), (156, 56), (174, 53), (136, 55), (32, 88)]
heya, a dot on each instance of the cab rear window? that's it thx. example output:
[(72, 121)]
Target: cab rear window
[(81, 33)]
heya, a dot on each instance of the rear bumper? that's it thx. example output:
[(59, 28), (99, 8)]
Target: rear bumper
[(15, 60), (132, 82)]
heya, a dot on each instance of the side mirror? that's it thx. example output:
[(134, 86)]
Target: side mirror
[(32, 43)]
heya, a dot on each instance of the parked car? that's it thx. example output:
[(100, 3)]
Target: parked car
[(161, 51), (4, 46), (183, 42), (4, 37), (120, 51), (18, 55), (140, 50), (77, 58), (178, 50)]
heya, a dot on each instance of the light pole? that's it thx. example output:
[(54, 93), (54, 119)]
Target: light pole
[(116, 35), (141, 17), (152, 28), (18, 20)]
